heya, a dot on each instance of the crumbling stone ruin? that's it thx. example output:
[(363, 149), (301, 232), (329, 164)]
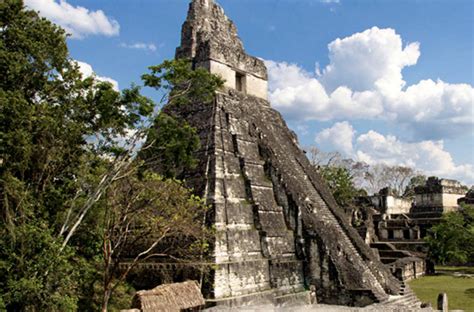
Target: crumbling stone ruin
[(468, 199), (280, 236), (431, 200), (438, 196), (400, 225), (279, 230)]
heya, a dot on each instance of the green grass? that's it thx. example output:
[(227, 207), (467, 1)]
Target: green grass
[(460, 269), (460, 290)]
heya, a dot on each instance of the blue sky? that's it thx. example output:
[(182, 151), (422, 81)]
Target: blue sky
[(395, 88)]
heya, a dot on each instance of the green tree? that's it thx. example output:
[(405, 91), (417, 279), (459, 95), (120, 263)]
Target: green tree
[(66, 141), (181, 84), (149, 217), (172, 147), (415, 181), (452, 240), (48, 164), (340, 183), (35, 276), (171, 141)]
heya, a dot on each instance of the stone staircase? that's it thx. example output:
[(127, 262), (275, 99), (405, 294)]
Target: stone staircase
[(407, 299), (246, 139), (324, 216), (267, 139), (388, 253), (317, 215), (255, 251)]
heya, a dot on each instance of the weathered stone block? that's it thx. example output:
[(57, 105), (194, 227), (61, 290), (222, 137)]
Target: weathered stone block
[(273, 223), (221, 250), (241, 242), (217, 165), (232, 165), (220, 212), (235, 186), (287, 275), (247, 149), (256, 174), (223, 140), (281, 245), (239, 127), (221, 282), (217, 191), (240, 212), (248, 277), (264, 198)]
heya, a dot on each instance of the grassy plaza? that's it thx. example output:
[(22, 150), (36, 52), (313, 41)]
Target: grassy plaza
[(457, 282)]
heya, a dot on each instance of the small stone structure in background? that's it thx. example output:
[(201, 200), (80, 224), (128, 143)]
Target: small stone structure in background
[(408, 220), (400, 225), (468, 199), (438, 196), (443, 302), (388, 203)]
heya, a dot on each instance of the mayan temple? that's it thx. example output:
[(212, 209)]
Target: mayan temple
[(279, 230)]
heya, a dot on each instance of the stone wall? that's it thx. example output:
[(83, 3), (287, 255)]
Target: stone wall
[(251, 84), (278, 228), (409, 268), (255, 172), (388, 204), (254, 249), (444, 202), (439, 195)]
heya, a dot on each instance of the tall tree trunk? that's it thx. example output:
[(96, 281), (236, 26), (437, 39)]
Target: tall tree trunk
[(105, 299)]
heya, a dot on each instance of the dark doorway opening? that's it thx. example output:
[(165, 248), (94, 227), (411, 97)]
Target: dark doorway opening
[(422, 232), (239, 82), (406, 234), (390, 234)]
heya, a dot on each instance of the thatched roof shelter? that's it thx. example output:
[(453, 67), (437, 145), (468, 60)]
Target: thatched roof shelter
[(169, 298)]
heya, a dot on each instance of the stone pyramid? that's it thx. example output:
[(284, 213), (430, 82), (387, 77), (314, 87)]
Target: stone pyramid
[(279, 230)]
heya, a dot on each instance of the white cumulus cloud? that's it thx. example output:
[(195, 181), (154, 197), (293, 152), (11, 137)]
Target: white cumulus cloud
[(364, 80), (76, 20), (299, 95), (87, 71), (374, 148), (339, 137), (370, 60), (140, 46)]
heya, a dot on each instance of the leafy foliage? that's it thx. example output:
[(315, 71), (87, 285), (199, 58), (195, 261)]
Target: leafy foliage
[(172, 146), (32, 278), (340, 182), (65, 142), (150, 217), (184, 84), (171, 142), (415, 181), (452, 240)]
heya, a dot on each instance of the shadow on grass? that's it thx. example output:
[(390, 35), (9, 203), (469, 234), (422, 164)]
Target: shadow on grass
[(469, 292)]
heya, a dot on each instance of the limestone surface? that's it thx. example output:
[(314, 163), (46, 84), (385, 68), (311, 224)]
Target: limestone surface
[(279, 230)]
